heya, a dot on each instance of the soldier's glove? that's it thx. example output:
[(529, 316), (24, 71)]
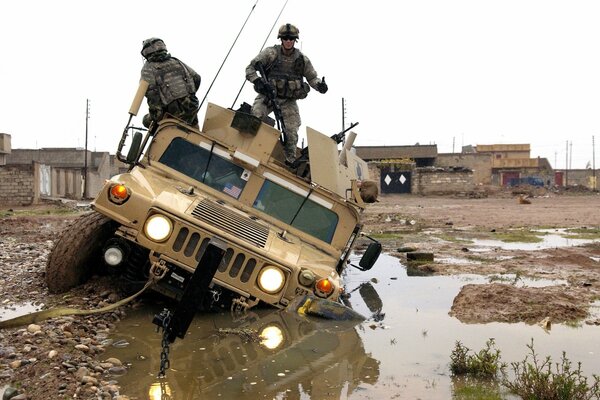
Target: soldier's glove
[(322, 86), (261, 87)]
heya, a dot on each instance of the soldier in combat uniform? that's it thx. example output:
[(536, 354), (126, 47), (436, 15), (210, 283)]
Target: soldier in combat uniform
[(286, 69), (172, 85)]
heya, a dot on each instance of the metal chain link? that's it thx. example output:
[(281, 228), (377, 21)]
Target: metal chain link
[(164, 394), (164, 353)]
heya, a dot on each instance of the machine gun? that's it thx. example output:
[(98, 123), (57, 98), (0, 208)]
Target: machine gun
[(338, 138), (271, 95)]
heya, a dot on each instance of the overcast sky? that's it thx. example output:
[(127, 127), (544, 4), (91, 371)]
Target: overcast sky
[(440, 72)]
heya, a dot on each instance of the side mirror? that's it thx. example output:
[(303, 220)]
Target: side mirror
[(370, 256), (132, 154)]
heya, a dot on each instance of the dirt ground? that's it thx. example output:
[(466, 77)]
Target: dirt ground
[(62, 358), (449, 228)]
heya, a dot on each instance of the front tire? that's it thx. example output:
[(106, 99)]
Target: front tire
[(77, 252)]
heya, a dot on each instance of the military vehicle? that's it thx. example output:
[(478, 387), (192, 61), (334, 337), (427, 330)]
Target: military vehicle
[(217, 209)]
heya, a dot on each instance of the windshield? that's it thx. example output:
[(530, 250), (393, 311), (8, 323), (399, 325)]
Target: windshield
[(297, 211), (205, 166)]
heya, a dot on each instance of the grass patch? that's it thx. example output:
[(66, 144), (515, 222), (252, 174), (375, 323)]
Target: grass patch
[(479, 259), (512, 279), (386, 235), (453, 239), (518, 236), (39, 212), (465, 388), (543, 379), (534, 378), (582, 233)]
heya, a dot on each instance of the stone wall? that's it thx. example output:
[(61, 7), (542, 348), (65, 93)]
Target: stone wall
[(19, 184), (428, 181)]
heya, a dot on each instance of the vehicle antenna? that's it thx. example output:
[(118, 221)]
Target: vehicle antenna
[(262, 47), (225, 59)]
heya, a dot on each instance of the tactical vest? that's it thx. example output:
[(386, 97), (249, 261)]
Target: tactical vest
[(173, 80), (286, 74)]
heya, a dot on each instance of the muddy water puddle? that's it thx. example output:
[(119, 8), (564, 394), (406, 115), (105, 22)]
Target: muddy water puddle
[(401, 351), (550, 238), (9, 310)]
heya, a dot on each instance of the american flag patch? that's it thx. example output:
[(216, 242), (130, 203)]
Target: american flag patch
[(232, 190)]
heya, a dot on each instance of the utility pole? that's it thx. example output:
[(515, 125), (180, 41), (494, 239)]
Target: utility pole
[(594, 164), (571, 155), (85, 163), (453, 138), (343, 115), (343, 119), (567, 166)]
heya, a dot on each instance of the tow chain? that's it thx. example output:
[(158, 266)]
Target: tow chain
[(157, 272), (165, 318)]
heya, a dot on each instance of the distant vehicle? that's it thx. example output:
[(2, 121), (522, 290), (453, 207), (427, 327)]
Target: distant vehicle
[(530, 180), (217, 207)]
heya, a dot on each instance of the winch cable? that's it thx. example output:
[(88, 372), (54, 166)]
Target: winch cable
[(157, 272), (261, 48), (225, 59)]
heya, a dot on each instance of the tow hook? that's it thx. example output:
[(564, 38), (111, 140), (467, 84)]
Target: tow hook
[(175, 324)]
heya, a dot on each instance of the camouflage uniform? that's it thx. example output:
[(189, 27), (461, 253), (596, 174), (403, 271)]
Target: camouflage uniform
[(286, 74), (172, 85)]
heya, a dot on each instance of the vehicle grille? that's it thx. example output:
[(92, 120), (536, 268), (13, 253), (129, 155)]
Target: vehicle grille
[(231, 222)]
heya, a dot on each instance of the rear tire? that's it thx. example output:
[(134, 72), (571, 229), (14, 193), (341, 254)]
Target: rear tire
[(76, 254)]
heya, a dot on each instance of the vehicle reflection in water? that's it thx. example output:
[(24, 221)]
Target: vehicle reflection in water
[(404, 355), (294, 356)]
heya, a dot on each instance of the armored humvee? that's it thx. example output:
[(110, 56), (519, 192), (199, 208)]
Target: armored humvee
[(219, 208)]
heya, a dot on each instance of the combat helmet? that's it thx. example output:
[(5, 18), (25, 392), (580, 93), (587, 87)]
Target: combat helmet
[(152, 45), (288, 30)]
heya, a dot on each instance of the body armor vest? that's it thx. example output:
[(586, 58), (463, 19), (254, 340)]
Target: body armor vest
[(173, 80), (286, 74)]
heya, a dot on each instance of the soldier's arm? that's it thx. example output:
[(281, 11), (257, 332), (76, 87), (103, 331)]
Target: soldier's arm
[(266, 57), (310, 74), (195, 76)]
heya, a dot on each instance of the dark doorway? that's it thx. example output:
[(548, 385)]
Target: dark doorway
[(395, 182)]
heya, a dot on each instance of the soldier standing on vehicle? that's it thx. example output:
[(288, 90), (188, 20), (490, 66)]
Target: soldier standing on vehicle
[(285, 68), (172, 85)]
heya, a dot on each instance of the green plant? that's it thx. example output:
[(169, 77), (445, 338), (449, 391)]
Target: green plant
[(536, 379), (483, 364)]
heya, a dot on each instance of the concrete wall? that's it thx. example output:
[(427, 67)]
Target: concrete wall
[(582, 177), (67, 183), (68, 169), (19, 184), (64, 157), (480, 164)]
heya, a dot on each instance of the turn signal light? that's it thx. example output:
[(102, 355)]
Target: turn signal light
[(118, 193), (323, 287)]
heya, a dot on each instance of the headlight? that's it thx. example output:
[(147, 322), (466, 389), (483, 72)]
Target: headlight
[(158, 228), (271, 279), (271, 337)]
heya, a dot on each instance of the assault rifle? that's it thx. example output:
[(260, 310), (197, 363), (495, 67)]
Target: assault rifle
[(338, 138), (271, 95)]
